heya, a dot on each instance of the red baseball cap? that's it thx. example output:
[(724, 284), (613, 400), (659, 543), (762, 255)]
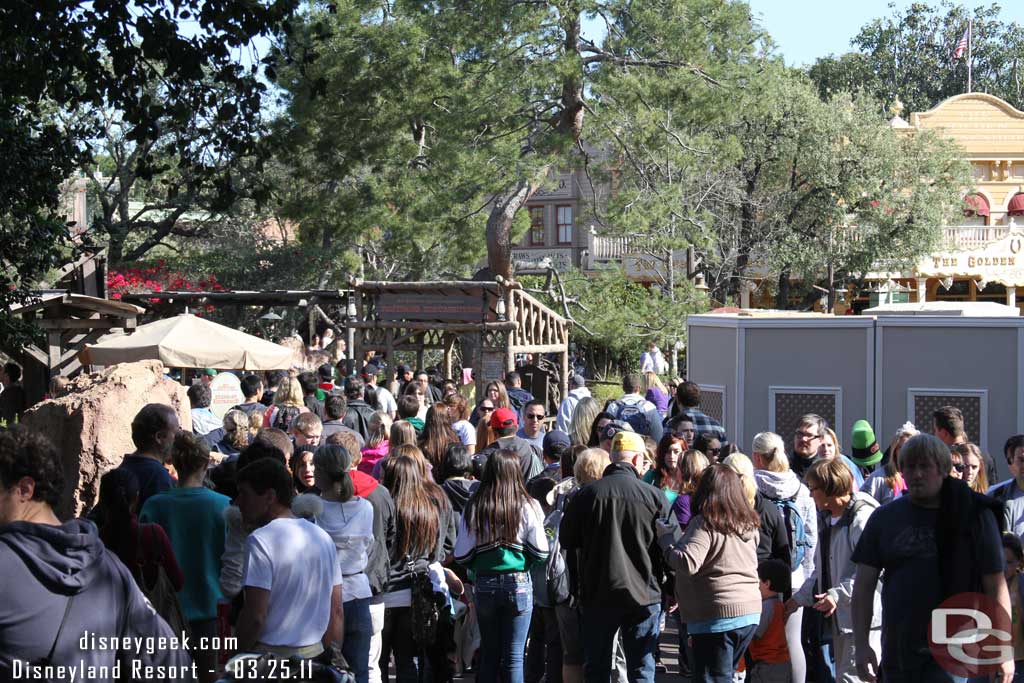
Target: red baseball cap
[(504, 417)]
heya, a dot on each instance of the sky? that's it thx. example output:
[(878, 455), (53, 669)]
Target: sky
[(805, 30)]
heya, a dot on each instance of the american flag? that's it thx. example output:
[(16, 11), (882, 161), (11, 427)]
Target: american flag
[(958, 51)]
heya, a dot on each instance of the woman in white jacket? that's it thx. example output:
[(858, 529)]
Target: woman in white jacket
[(830, 588), (781, 486), (348, 519)]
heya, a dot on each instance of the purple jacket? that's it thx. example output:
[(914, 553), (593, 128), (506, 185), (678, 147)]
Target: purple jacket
[(659, 398), (681, 509)]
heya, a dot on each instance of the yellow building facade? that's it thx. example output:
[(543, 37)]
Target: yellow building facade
[(982, 257)]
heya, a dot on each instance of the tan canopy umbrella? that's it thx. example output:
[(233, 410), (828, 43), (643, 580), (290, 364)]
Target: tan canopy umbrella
[(186, 341)]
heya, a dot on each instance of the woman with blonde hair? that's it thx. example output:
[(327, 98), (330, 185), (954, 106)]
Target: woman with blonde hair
[(741, 463), (774, 540), (655, 392), (379, 443), (289, 403), (582, 420), (886, 483), (780, 485), (974, 466)]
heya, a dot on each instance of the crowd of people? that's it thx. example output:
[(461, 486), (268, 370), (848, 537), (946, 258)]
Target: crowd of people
[(417, 529)]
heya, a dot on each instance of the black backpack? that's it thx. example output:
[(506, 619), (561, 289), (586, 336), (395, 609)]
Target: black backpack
[(358, 418), (284, 417)]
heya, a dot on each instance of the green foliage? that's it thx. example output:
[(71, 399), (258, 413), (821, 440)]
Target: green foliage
[(620, 316), (412, 129), (906, 56), (400, 128), (780, 183), (65, 58), (868, 197)]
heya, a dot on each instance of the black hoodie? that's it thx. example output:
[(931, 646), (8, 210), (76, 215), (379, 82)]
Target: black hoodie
[(42, 566)]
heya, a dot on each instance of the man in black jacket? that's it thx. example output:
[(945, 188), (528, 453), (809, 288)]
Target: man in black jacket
[(359, 413), (612, 523)]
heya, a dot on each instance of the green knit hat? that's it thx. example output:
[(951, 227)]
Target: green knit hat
[(866, 452)]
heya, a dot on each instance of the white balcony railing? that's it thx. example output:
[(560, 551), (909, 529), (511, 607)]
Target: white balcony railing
[(610, 248), (973, 236)]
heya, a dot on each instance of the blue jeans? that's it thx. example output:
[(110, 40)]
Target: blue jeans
[(716, 655), (640, 627), (358, 629), (504, 603)]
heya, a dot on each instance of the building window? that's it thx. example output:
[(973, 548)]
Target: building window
[(565, 224), (537, 226)]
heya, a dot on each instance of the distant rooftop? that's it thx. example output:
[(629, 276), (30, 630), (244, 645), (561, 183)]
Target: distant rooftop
[(962, 309)]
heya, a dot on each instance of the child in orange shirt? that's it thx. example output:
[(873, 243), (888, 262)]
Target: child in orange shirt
[(768, 653)]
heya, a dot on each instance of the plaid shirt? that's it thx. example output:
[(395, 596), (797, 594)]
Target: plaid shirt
[(703, 423)]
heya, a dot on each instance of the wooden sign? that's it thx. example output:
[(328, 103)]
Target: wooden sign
[(406, 306)]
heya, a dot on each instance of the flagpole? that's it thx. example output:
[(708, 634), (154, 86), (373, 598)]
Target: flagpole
[(970, 39)]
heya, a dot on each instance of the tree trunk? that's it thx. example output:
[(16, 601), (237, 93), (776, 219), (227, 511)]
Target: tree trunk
[(671, 275), (569, 122), (499, 226), (782, 298), (571, 116)]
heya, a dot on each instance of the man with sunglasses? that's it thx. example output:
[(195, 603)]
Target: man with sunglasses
[(533, 424)]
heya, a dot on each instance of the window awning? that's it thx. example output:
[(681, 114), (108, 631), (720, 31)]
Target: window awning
[(976, 205), (1016, 205)]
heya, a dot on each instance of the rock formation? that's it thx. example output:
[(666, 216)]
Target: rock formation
[(91, 423)]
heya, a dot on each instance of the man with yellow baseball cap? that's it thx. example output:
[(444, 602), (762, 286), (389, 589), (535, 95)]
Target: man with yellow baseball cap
[(612, 522)]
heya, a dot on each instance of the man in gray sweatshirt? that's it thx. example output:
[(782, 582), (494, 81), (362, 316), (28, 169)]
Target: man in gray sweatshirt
[(69, 609)]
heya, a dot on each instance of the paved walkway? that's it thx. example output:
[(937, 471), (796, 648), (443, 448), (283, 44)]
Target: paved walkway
[(669, 654)]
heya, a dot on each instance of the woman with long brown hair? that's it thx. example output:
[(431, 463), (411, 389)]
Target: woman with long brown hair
[(437, 435), (496, 391), (501, 536), (717, 587), (667, 457), (420, 520), (484, 434)]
